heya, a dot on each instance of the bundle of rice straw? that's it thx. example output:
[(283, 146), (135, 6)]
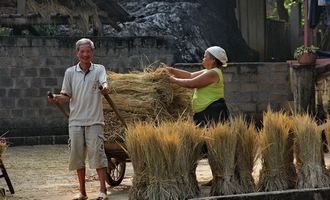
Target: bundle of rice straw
[(246, 152), (3, 144), (160, 150), (221, 154), (310, 161), (278, 172), (145, 96), (327, 131), (3, 147), (189, 153), (135, 138)]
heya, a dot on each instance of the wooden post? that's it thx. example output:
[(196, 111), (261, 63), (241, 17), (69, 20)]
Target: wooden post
[(302, 80), (21, 6), (295, 18), (307, 30)]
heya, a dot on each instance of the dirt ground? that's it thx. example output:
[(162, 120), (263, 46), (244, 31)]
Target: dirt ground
[(41, 172)]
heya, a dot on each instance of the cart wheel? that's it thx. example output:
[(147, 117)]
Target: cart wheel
[(116, 171)]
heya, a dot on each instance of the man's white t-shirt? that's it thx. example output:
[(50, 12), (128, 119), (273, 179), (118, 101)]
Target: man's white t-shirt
[(86, 100)]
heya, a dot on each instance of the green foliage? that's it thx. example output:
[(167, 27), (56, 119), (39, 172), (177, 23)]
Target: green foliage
[(302, 49), (4, 31), (287, 4), (46, 30)]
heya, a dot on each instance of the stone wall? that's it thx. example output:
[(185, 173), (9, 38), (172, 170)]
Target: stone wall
[(29, 67)]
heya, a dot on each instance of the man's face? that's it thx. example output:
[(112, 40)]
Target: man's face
[(85, 53)]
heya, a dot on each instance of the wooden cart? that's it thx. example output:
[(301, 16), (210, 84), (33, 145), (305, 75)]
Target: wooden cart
[(117, 158)]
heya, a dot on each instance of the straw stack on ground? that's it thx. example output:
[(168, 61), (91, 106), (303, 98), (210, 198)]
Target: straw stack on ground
[(145, 96), (189, 153), (134, 143), (221, 146), (277, 171), (327, 131), (246, 152), (164, 159), (310, 161), (160, 150)]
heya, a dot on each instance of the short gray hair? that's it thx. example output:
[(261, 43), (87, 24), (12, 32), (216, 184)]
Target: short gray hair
[(83, 41)]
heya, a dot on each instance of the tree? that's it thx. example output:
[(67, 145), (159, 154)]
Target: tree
[(280, 8), (283, 13)]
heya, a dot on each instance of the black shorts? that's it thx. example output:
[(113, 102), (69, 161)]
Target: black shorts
[(216, 112)]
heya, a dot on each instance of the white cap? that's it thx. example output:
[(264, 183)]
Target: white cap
[(219, 53)]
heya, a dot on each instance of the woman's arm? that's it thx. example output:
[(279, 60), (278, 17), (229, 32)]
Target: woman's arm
[(179, 73), (199, 81)]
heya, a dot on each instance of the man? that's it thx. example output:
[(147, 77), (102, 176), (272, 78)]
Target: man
[(81, 88)]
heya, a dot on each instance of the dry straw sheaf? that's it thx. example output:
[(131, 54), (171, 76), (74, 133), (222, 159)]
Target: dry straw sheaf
[(246, 152), (3, 147), (135, 139), (3, 144), (327, 131), (191, 141), (276, 143), (161, 150), (221, 146), (310, 160)]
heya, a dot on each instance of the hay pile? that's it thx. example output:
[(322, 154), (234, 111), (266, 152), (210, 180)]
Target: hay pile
[(310, 161), (164, 159), (144, 96), (246, 152), (276, 144), (221, 146)]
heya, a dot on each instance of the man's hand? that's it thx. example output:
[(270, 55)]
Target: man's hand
[(58, 98), (104, 91)]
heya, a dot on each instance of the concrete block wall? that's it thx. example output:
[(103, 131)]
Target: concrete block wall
[(251, 87), (31, 66)]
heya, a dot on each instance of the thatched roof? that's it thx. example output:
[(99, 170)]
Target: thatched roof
[(81, 12)]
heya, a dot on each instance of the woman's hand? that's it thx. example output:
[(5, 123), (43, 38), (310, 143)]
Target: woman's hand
[(172, 79), (169, 69)]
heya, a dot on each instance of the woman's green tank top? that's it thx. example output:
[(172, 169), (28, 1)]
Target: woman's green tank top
[(203, 97)]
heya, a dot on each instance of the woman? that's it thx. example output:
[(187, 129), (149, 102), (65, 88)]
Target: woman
[(208, 103)]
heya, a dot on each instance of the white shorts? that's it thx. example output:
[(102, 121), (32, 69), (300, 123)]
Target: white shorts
[(87, 140)]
